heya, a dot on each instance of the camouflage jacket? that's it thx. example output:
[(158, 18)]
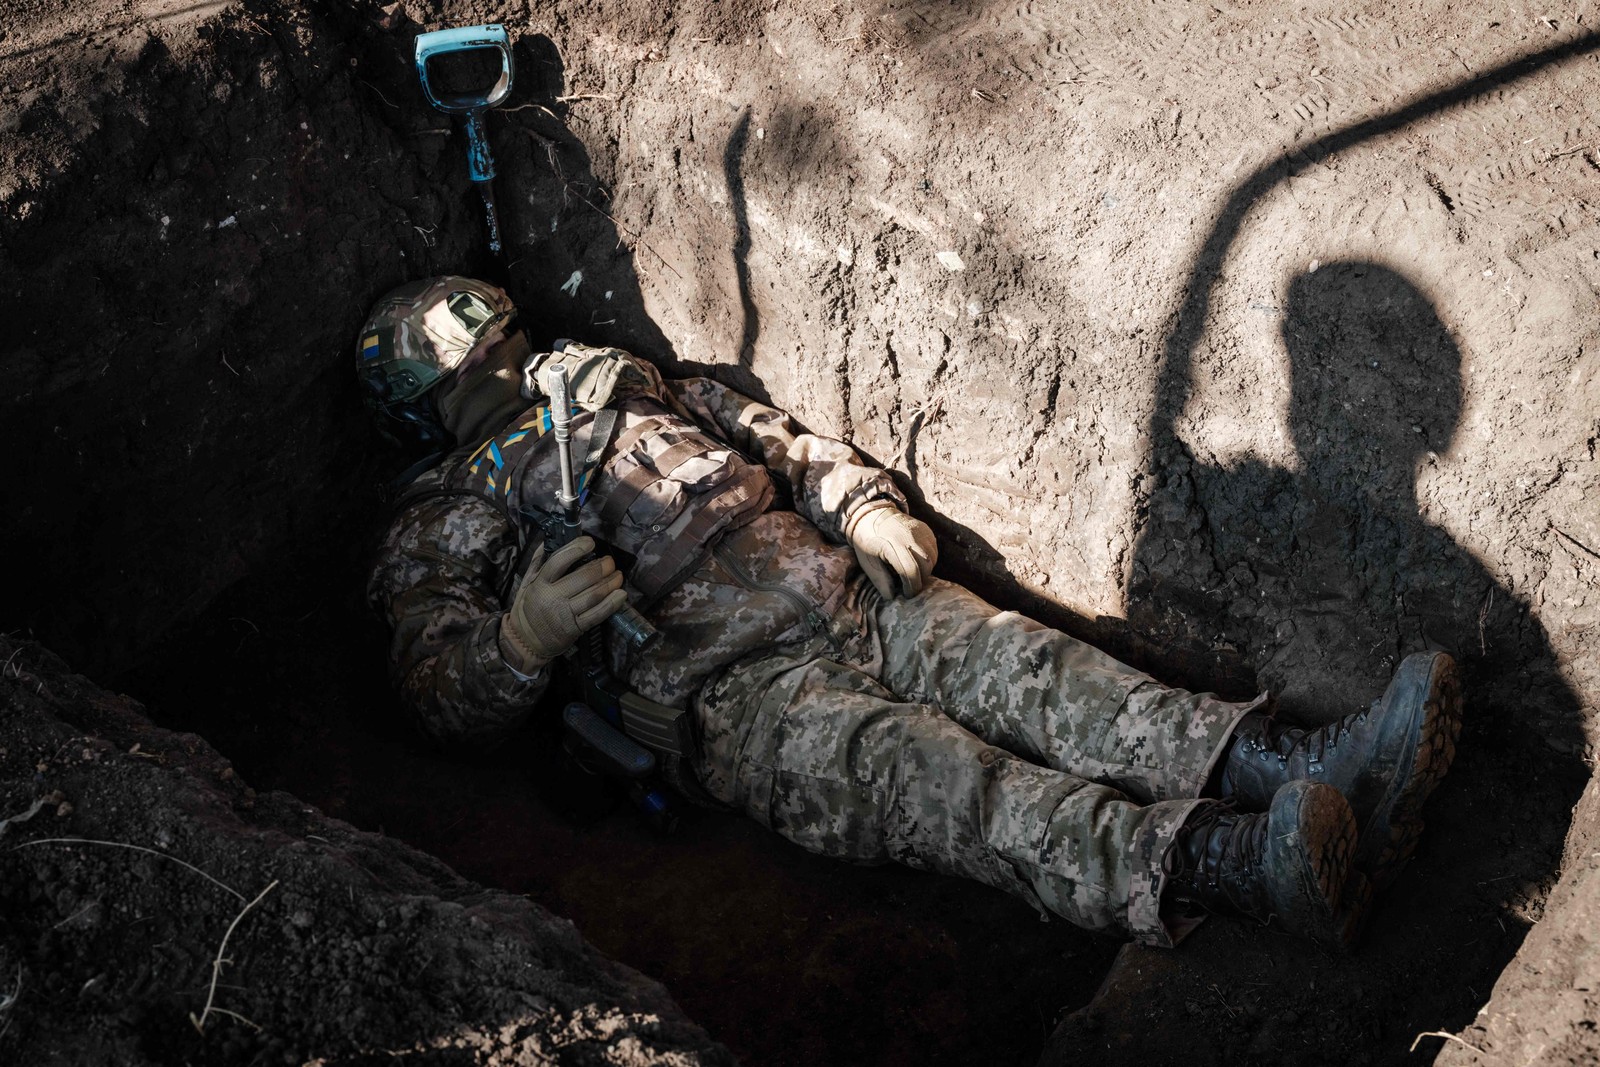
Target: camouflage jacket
[(684, 499)]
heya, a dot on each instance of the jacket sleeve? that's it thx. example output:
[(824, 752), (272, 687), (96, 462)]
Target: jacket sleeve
[(436, 584), (830, 481)]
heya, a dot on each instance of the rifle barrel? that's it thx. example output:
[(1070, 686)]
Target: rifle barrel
[(561, 421)]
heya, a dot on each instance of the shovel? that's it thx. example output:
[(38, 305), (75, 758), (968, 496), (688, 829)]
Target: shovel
[(480, 162)]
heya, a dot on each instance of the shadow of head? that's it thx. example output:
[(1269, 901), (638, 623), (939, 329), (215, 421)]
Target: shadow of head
[(1375, 373)]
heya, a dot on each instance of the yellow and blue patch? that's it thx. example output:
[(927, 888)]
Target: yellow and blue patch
[(491, 451), (377, 345)]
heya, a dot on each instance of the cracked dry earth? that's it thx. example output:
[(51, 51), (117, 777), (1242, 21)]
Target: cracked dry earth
[(1255, 342)]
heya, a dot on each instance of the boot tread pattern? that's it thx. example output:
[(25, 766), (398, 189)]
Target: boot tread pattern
[(1384, 857)]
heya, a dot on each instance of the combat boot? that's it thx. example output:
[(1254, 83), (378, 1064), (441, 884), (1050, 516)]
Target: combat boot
[(1385, 760), (1289, 867)]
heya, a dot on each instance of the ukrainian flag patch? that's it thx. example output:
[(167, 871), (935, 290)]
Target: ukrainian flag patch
[(377, 344)]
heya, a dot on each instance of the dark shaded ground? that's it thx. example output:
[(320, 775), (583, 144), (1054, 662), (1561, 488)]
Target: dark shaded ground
[(132, 855), (786, 957)]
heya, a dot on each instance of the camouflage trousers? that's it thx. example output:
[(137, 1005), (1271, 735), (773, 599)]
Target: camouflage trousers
[(953, 737)]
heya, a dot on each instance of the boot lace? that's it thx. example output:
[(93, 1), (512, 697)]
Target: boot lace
[(1227, 869), (1283, 740)]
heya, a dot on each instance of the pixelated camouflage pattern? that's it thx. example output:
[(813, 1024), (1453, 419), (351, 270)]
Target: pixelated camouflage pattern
[(951, 736), (935, 731), (826, 477), (448, 559), (770, 583), (1047, 696), (1150, 923), (693, 474), (715, 483), (438, 583)]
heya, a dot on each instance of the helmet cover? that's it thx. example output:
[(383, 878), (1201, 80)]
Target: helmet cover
[(419, 334)]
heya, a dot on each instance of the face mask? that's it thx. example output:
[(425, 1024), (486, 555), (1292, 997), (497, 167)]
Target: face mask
[(484, 397)]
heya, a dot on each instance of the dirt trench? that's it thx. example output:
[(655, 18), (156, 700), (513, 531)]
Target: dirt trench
[(1256, 346)]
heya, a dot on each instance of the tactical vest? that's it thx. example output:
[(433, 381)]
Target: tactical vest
[(661, 492)]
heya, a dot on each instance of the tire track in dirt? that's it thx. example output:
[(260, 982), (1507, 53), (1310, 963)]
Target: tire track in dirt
[(1312, 73)]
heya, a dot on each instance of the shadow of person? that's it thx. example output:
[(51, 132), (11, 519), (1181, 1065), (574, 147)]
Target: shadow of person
[(1323, 577), (1313, 581)]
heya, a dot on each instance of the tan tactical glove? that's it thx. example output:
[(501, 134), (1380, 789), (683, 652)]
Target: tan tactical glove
[(595, 376), (890, 543), (553, 608)]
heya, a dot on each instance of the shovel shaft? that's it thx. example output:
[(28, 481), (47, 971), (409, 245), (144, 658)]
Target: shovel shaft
[(480, 161), (491, 214)]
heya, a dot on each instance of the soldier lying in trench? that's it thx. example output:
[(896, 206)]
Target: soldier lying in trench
[(838, 692)]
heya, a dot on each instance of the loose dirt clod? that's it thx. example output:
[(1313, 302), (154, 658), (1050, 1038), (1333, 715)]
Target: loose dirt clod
[(354, 944)]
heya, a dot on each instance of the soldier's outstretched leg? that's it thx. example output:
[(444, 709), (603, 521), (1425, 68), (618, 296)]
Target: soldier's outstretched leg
[(1048, 696), (1045, 695), (835, 762)]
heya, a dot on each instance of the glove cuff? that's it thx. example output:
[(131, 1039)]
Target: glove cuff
[(516, 654), (863, 510)]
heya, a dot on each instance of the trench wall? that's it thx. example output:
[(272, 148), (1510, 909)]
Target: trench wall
[(1257, 346)]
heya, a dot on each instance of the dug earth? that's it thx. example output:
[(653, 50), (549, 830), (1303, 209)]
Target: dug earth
[(1256, 345)]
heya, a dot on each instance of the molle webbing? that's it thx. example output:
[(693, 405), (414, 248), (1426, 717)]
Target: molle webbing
[(627, 491), (640, 478), (622, 474), (632, 434), (737, 502)]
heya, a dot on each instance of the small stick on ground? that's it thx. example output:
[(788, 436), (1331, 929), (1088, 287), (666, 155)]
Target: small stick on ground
[(636, 236), (1568, 152), (236, 1016), (81, 911), (216, 966), (536, 107), (1447, 1037), (12, 997), (23, 816), (1569, 539), (136, 848), (379, 92)]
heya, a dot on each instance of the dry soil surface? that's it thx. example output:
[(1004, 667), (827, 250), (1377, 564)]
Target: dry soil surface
[(1256, 342)]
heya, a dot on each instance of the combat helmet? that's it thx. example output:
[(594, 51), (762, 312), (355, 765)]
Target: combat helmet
[(417, 336)]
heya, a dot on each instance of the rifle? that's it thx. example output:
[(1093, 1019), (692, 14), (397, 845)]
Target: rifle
[(599, 726), (629, 625)]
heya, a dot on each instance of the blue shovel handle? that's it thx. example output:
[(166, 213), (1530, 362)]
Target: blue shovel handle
[(465, 39), (480, 161)]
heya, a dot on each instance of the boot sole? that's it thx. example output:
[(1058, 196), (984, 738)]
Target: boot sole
[(1330, 898), (1391, 833)]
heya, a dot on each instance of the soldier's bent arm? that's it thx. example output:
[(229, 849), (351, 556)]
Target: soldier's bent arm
[(830, 481), (437, 584)]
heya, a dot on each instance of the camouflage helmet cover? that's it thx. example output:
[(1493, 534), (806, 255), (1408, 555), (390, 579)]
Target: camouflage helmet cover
[(422, 331)]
